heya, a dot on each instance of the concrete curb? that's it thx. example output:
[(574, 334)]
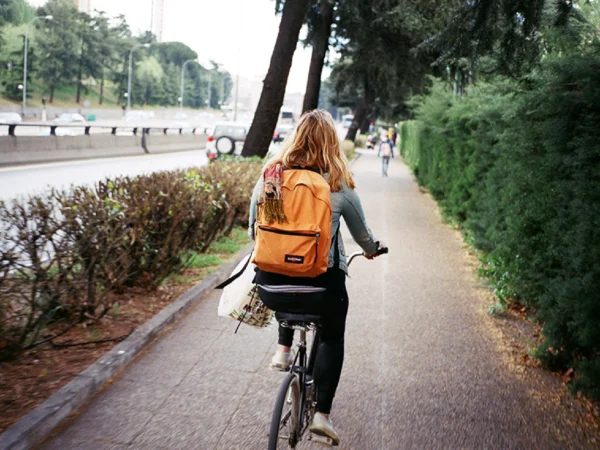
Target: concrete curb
[(39, 423), (356, 158)]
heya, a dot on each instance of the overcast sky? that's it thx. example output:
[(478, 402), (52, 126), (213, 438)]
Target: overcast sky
[(239, 34)]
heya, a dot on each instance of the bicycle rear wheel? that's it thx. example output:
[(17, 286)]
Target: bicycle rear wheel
[(284, 423)]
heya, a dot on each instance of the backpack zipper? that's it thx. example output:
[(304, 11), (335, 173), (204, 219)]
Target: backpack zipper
[(295, 233)]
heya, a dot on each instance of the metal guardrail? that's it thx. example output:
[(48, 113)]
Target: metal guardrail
[(113, 127)]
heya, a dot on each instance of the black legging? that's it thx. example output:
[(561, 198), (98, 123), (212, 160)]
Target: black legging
[(330, 355)]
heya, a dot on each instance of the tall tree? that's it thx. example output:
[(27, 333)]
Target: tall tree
[(89, 55), (378, 65), (271, 98), (108, 42), (58, 43), (320, 31), (124, 44), (509, 31), (15, 12)]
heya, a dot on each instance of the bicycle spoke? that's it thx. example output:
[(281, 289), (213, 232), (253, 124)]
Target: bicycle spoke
[(285, 419)]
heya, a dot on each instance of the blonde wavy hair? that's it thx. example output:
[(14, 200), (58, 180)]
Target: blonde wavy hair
[(315, 145)]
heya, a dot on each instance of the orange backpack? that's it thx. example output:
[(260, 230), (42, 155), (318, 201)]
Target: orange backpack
[(299, 247)]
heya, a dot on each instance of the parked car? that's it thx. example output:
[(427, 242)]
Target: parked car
[(281, 132), (286, 117), (226, 139), (70, 118), (347, 120), (10, 117)]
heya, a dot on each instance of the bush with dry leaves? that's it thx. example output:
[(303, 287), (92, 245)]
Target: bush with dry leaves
[(63, 252)]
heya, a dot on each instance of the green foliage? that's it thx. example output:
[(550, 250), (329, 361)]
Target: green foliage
[(64, 252), (231, 243), (15, 12), (515, 164), (59, 44), (360, 141), (199, 261), (75, 48), (348, 148)]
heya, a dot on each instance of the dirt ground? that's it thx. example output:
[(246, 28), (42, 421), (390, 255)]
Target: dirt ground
[(40, 372)]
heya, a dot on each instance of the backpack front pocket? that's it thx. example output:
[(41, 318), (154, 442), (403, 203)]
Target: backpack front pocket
[(289, 252)]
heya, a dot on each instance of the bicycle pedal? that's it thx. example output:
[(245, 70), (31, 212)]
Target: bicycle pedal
[(320, 440)]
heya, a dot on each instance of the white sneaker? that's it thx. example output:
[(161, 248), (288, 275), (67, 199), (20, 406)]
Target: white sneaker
[(322, 426), (281, 361)]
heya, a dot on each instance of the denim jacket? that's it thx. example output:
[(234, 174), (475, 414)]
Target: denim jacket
[(344, 203)]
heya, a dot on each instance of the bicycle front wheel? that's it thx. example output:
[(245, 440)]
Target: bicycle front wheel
[(284, 424)]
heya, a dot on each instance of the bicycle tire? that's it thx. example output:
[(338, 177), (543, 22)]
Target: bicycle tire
[(292, 382)]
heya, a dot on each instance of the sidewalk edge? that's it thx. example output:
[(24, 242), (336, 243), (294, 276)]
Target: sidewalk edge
[(36, 426), (356, 158)]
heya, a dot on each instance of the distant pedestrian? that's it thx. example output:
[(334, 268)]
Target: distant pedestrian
[(394, 137), (386, 151)]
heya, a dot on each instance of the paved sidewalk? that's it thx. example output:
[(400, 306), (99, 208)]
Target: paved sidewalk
[(421, 370)]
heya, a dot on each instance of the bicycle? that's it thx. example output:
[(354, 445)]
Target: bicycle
[(295, 403)]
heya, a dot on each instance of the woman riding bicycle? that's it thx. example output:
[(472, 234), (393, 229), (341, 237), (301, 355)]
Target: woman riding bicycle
[(315, 146)]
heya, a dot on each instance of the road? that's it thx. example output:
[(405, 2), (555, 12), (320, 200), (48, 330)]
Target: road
[(423, 367), (23, 180)]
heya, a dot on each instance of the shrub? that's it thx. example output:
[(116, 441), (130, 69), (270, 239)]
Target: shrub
[(347, 148), (360, 141), (515, 164), (62, 252), (43, 279)]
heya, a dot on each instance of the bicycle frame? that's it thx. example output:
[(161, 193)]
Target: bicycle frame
[(303, 367)]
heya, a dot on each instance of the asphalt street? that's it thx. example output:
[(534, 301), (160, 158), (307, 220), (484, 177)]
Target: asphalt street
[(422, 369), (24, 180)]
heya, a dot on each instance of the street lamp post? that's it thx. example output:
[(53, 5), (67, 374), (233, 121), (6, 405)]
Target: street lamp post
[(130, 70), (237, 91), (209, 90), (25, 58), (182, 80)]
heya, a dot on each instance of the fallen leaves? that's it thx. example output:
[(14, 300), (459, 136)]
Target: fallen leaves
[(567, 377)]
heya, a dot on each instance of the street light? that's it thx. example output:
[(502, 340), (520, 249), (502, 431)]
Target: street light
[(182, 80), (25, 58), (130, 69)]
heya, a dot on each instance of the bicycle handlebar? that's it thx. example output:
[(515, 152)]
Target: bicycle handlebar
[(381, 251)]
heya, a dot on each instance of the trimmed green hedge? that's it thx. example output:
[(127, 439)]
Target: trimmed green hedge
[(63, 252), (517, 165)]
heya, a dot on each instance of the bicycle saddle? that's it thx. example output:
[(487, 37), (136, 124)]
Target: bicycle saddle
[(296, 318)]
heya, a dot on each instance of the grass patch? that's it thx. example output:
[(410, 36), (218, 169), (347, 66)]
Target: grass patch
[(233, 243), (192, 260), (196, 266)]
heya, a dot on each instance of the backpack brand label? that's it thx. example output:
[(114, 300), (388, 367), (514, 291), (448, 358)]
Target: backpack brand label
[(294, 259)]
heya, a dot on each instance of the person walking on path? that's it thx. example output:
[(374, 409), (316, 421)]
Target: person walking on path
[(316, 147), (386, 151)]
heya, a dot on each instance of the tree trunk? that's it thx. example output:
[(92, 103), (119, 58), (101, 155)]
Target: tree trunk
[(364, 126), (317, 61), (359, 115), (101, 100), (79, 75), (51, 100), (265, 119)]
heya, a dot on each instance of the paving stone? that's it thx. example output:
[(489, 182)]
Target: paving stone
[(172, 431), (116, 425)]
